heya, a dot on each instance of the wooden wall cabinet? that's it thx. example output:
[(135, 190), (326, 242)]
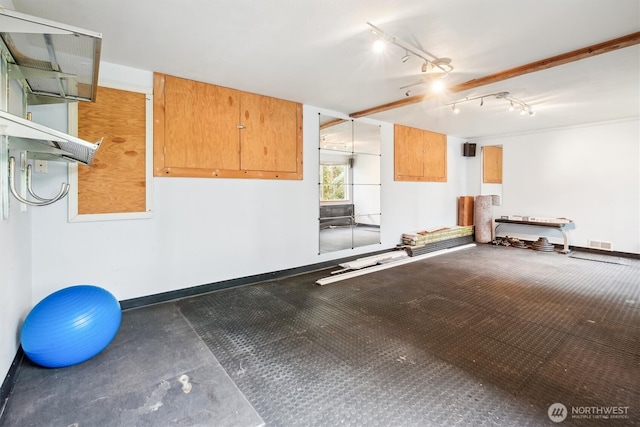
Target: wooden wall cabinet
[(492, 164), (419, 155), (203, 130)]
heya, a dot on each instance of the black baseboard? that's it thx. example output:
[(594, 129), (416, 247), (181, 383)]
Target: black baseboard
[(601, 252), (241, 281), (10, 379), (248, 280)]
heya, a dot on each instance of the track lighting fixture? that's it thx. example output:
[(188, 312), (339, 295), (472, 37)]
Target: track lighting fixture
[(437, 85), (437, 64), (455, 109), (521, 105)]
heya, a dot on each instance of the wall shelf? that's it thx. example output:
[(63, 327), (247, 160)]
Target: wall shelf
[(56, 62), (36, 138), (50, 62)]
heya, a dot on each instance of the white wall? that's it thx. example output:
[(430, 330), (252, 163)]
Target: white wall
[(15, 266), (209, 230), (589, 174), (15, 281)]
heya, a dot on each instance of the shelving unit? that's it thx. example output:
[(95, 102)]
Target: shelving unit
[(45, 74)]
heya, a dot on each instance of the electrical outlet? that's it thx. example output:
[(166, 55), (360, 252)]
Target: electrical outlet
[(41, 166)]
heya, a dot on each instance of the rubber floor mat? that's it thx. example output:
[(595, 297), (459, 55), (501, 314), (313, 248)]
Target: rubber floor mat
[(484, 336)]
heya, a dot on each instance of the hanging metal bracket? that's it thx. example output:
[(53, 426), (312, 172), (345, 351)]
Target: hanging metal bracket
[(40, 201)]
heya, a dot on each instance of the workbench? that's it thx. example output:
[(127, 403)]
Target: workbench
[(559, 224)]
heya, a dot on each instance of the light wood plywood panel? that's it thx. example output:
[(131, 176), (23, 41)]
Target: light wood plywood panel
[(435, 161), (492, 164), (419, 155), (116, 182), (408, 153), (201, 125), (269, 134), (203, 130)]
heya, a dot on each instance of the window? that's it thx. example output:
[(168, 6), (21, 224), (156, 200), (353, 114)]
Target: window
[(334, 181)]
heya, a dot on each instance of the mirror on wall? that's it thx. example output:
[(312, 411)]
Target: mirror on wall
[(491, 184), (348, 184)]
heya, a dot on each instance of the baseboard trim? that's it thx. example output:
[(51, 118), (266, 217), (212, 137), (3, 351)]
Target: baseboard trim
[(601, 252), (10, 379), (231, 283), (248, 280)]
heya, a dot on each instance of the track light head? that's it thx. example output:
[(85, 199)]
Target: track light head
[(514, 103), (405, 58), (455, 109)]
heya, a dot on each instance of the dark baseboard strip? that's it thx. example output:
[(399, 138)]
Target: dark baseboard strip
[(247, 280), (601, 252), (241, 281), (10, 379)]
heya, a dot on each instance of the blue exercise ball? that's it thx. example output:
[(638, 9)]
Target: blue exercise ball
[(70, 326)]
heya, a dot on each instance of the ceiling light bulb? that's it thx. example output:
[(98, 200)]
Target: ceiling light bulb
[(437, 86), (378, 46), (455, 109)]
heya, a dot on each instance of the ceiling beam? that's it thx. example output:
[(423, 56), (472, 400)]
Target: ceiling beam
[(543, 64)]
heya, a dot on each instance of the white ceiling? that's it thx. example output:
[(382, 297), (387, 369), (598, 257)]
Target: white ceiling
[(318, 52)]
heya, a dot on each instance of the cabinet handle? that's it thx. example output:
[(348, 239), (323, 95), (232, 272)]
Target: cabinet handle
[(240, 126)]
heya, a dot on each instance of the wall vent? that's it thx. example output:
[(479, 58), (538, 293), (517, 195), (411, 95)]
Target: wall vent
[(604, 246)]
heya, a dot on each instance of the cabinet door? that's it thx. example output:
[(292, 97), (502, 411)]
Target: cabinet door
[(202, 131), (408, 153), (492, 164), (419, 155), (269, 135), (435, 160)]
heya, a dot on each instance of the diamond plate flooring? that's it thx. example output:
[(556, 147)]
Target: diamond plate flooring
[(483, 336), (487, 336)]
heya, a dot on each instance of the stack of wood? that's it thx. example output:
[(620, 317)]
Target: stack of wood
[(423, 241)]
